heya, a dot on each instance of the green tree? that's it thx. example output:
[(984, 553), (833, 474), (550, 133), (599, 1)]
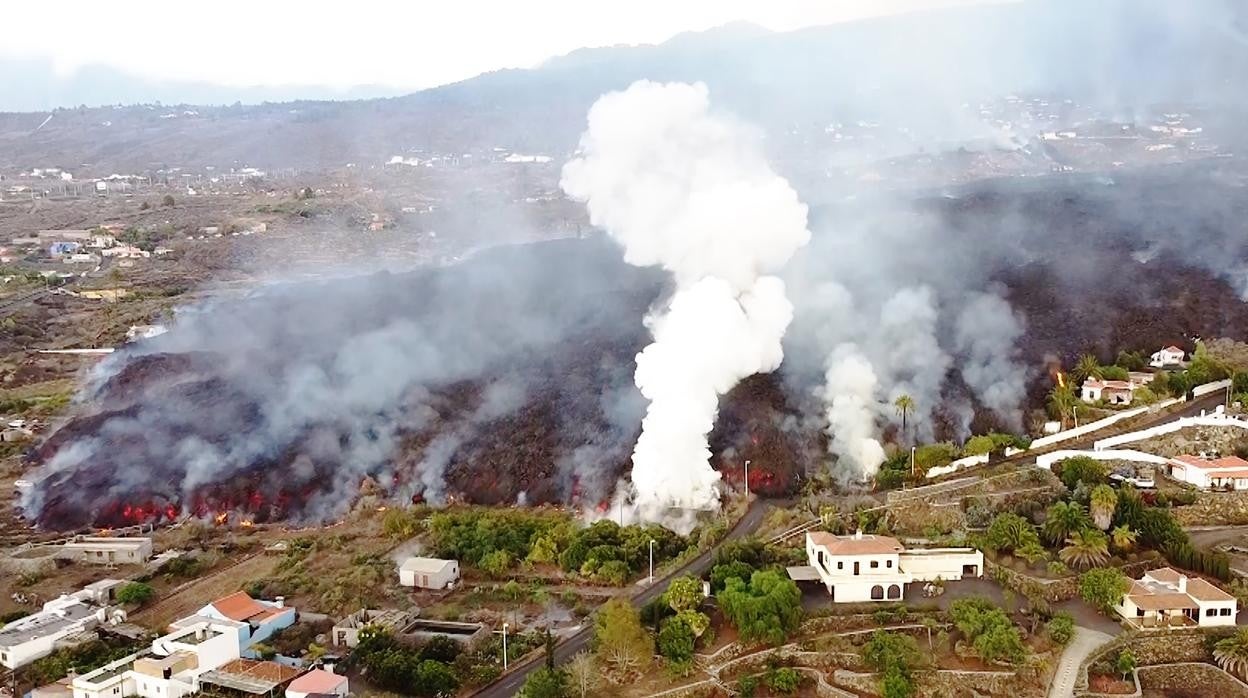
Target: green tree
[(1103, 587), (1125, 664), (720, 574), (400, 523), (584, 674), (434, 679), (979, 445), (784, 680), (676, 641), (1102, 502), (1087, 367), (1064, 518), (766, 609), (1061, 628), (1231, 653), (546, 683), (1085, 548), (1123, 538), (989, 629), (1062, 401), (1082, 469), (1009, 531), (894, 656), (1032, 552), (496, 564), (904, 404), (620, 640), (136, 593), (684, 594)]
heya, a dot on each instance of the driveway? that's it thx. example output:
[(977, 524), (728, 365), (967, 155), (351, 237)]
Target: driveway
[(1084, 643)]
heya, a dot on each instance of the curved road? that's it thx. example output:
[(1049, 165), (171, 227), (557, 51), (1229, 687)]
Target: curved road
[(509, 684)]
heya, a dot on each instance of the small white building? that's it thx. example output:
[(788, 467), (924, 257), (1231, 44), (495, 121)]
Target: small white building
[(27, 639), (1230, 472), (864, 567), (317, 682), (1168, 357), (170, 669), (1112, 392), (1166, 598), (258, 619), (105, 550), (428, 573)]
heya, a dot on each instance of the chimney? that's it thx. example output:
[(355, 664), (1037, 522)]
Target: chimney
[(858, 534), (280, 601), (1182, 584)]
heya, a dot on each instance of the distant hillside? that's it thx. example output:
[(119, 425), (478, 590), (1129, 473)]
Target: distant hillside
[(922, 69)]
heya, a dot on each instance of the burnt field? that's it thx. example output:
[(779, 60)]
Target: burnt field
[(508, 377)]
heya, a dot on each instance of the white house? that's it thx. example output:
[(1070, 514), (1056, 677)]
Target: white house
[(106, 550), (1112, 392), (428, 572), (865, 567), (1205, 473), (1170, 356), (260, 619), (27, 639), (1166, 597), (170, 669), (317, 682)]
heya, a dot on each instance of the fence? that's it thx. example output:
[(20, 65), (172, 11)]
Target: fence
[(1217, 419), (1048, 459)]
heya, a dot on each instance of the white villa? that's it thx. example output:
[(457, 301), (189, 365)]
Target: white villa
[(1205, 473), (428, 573), (1167, 598), (1170, 356), (865, 567)]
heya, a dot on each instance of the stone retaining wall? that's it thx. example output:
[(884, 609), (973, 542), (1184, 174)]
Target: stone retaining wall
[(1205, 678)]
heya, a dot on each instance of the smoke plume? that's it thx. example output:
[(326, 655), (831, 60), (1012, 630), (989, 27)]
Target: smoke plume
[(689, 190)]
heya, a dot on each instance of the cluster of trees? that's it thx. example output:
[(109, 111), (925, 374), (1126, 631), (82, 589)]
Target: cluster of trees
[(894, 657), (1185, 555), (497, 540), (988, 629), (680, 633), (81, 659), (394, 666), (897, 470), (1103, 587), (765, 609), (778, 680)]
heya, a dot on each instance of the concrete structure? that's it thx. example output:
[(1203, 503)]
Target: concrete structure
[(1167, 598), (105, 550), (428, 573), (249, 677), (346, 632), (261, 618), (27, 639), (1169, 356), (1230, 472), (172, 668), (421, 631), (1112, 392), (317, 682), (878, 568)]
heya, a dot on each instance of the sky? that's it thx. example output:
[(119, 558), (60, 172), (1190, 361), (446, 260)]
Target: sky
[(392, 44)]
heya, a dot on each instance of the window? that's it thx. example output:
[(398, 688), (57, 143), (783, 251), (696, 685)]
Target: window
[(1210, 612), (888, 564), (1224, 612), (840, 564), (1139, 612), (875, 563)]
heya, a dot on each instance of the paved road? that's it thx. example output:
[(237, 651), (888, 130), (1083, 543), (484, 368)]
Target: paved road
[(509, 684), (1084, 643)]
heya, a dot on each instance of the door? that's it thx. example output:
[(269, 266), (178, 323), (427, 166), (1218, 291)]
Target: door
[(856, 563)]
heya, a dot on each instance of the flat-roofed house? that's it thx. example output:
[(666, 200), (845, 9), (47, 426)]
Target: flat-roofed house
[(105, 550), (1230, 472), (35, 636), (317, 682), (428, 572), (1166, 598), (863, 567), (171, 668)]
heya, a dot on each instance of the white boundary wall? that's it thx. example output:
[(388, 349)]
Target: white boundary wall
[(1211, 387), (1048, 459), (1217, 419)]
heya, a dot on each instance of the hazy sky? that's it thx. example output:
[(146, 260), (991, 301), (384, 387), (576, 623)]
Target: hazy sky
[(373, 42)]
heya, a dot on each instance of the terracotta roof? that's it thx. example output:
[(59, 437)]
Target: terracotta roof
[(1226, 463), (1204, 591), (238, 606), (317, 681), (263, 671), (867, 544), (1160, 602), (1167, 575), (1173, 349)]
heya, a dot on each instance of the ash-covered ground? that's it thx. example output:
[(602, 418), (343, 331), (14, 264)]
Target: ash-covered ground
[(509, 377)]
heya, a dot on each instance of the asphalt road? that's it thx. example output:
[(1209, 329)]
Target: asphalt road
[(509, 684)]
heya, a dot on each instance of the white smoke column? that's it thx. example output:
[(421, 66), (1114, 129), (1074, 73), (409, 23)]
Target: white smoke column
[(850, 393), (690, 191), (987, 332), (908, 356)]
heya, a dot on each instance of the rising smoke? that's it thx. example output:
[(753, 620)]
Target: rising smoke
[(688, 190)]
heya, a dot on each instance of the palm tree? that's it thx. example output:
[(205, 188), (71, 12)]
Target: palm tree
[(1123, 538), (1103, 499), (1232, 653), (1087, 367), (1085, 548), (1062, 400), (1063, 519), (904, 404)]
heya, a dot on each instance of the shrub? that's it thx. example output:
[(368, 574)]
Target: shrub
[(1061, 628), (764, 610), (784, 680), (136, 593)]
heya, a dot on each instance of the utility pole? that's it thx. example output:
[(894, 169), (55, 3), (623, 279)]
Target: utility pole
[(1074, 410), (651, 562), (747, 480), (504, 647), (913, 471)]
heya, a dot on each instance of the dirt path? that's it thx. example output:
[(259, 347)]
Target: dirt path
[(193, 596), (1084, 643)]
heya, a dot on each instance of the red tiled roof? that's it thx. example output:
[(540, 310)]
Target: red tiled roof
[(238, 606), (853, 545), (1174, 349), (1226, 463), (317, 681)]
